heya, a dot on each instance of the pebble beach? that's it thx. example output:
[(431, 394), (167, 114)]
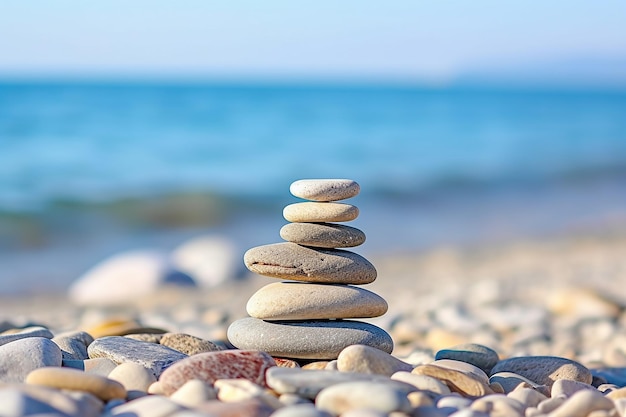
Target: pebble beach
[(557, 302)]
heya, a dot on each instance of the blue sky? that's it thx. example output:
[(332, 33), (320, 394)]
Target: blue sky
[(433, 41)]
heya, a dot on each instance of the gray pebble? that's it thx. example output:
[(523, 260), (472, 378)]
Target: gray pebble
[(20, 357), (544, 370), (308, 383), (319, 339), (478, 355), (300, 410), (34, 331), (120, 349), (290, 261), (322, 235), (73, 345), (339, 398), (325, 189)]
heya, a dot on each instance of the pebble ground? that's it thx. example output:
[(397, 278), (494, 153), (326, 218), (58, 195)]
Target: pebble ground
[(561, 298)]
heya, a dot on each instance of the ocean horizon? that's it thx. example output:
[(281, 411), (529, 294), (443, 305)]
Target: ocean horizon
[(88, 169)]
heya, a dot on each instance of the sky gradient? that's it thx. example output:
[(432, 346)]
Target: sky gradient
[(428, 41)]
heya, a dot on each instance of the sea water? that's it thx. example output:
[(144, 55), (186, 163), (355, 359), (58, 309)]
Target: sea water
[(88, 169)]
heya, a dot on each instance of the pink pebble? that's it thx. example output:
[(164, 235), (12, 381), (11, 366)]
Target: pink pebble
[(211, 366)]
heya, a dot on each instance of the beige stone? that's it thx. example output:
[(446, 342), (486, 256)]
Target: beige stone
[(465, 384), (73, 379), (320, 212), (325, 189), (422, 382), (322, 235), (369, 360), (308, 301), (294, 262)]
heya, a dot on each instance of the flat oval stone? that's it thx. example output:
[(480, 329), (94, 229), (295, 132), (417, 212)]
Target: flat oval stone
[(544, 370), (510, 381), (369, 360), (320, 212), (325, 189), (478, 355), (322, 235), (581, 403), (463, 383), (422, 382), (72, 379), (211, 366), (294, 262), (123, 349), (16, 334), (306, 301), (20, 357), (339, 398), (73, 344), (320, 339), (308, 383), (148, 406), (464, 367), (133, 376), (187, 344)]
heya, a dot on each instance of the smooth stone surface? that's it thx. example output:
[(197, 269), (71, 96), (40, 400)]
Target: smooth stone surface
[(320, 212), (307, 301), (72, 379), (612, 375), (120, 349), (322, 235), (239, 389), (252, 407), (22, 400), (211, 366), (528, 396), (369, 360), (20, 357), (496, 405), (33, 331), (567, 387), (422, 382), (187, 344), (544, 370), (478, 355), (306, 340), (324, 189), (582, 403), (124, 277), (340, 398), (149, 406), (73, 345), (210, 260), (132, 376), (308, 383), (301, 410), (461, 382), (464, 367), (193, 393), (294, 262), (510, 380)]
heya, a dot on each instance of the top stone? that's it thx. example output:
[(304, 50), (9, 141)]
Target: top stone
[(325, 190)]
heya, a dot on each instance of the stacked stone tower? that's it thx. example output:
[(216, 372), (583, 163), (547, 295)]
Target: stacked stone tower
[(307, 316)]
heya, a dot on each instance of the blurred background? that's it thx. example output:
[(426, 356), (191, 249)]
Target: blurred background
[(142, 124)]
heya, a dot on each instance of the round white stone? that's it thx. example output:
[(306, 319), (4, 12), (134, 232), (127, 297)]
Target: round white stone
[(325, 189)]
